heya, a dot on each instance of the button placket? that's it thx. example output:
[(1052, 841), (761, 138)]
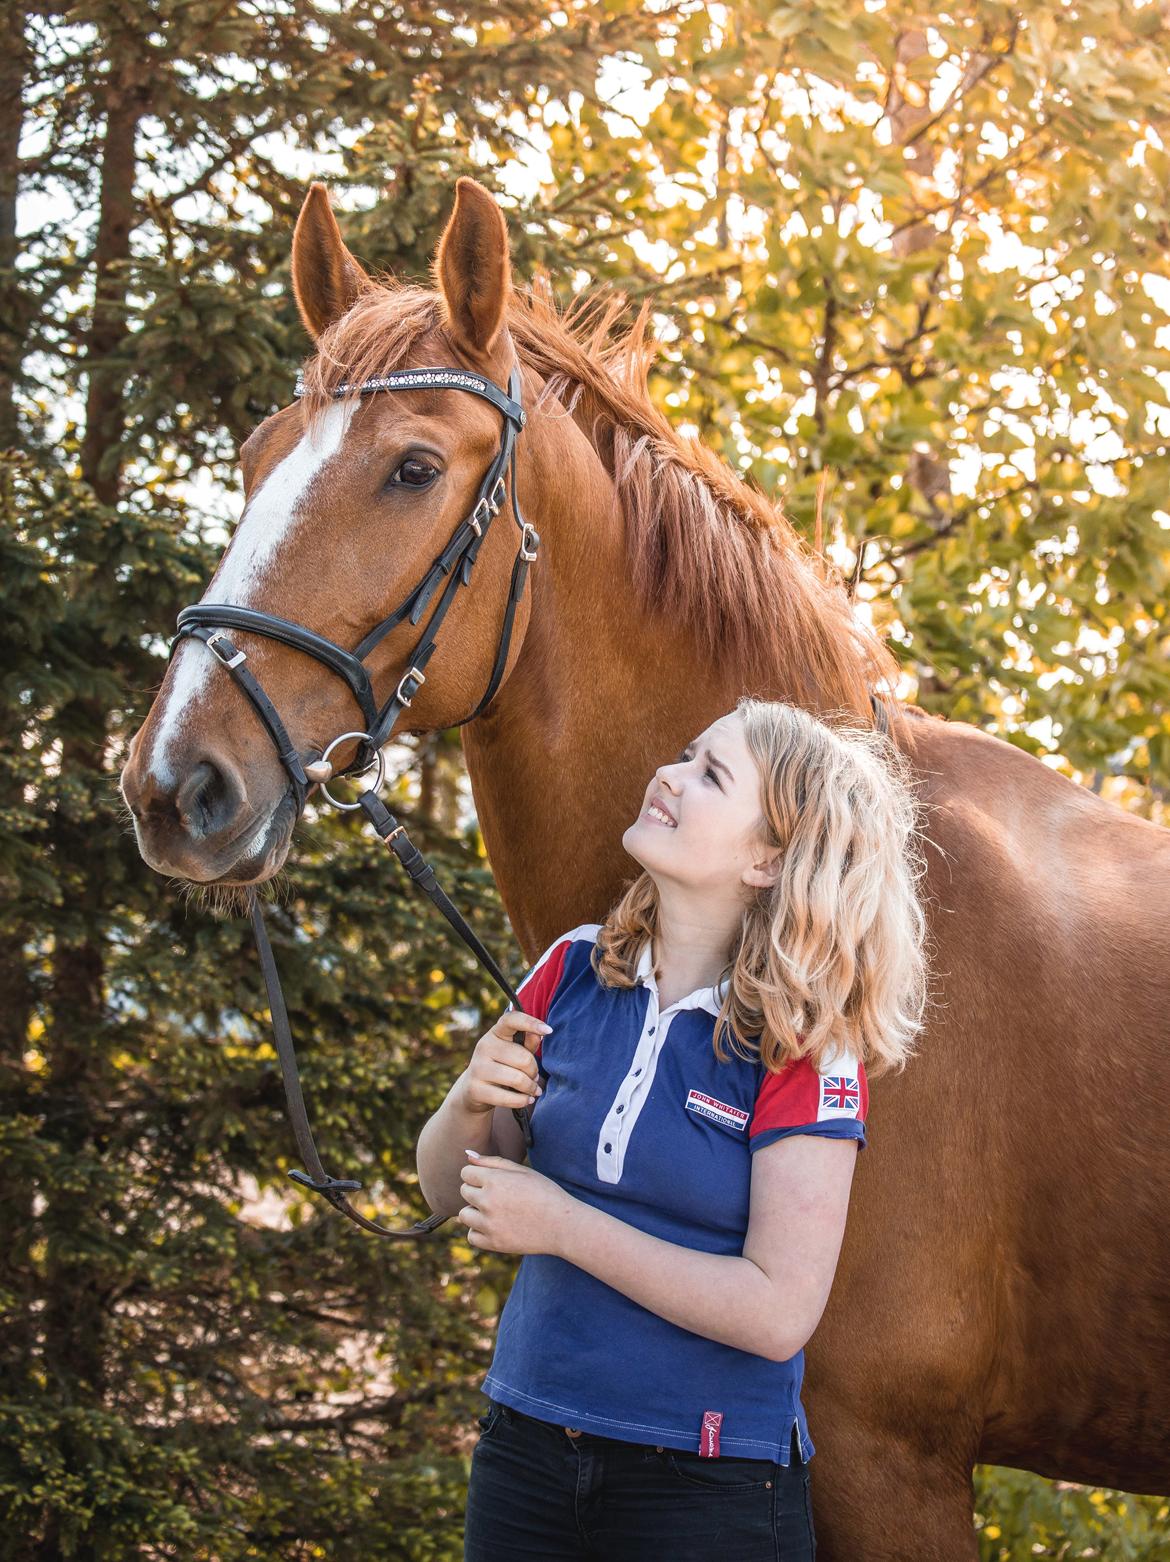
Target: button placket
[(616, 1129), (620, 1119)]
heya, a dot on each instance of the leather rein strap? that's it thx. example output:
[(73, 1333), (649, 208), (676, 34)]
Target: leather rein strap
[(208, 621), (317, 1179)]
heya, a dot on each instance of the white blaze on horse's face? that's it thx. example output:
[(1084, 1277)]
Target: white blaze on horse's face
[(267, 523)]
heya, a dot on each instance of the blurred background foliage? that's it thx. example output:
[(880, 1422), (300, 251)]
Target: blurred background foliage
[(907, 267)]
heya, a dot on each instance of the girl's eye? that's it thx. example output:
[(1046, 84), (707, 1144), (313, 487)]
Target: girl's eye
[(413, 473), (686, 754)]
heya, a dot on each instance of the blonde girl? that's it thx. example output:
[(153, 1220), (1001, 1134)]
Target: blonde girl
[(697, 1068)]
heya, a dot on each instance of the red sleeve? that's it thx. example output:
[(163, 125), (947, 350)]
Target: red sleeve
[(536, 990), (797, 1099)]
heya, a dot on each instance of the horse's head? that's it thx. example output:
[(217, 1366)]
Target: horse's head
[(348, 503)]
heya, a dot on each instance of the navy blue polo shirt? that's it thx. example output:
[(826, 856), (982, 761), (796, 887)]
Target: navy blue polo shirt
[(641, 1119)]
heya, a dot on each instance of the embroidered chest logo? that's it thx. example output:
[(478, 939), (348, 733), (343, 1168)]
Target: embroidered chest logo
[(838, 1095), (717, 1111)]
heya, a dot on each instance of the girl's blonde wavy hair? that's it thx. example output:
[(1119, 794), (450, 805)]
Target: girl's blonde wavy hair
[(831, 957)]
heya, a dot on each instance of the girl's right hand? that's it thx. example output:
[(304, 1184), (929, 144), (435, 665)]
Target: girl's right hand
[(503, 1071)]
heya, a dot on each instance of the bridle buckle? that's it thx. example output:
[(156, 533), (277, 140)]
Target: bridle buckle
[(232, 660), (529, 542), (412, 672)]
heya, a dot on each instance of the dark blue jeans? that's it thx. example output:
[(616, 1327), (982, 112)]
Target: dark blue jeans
[(536, 1493)]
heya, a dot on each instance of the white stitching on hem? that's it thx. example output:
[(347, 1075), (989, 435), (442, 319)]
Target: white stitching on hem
[(635, 1426)]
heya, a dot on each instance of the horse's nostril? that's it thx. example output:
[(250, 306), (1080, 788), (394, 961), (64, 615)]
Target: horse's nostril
[(208, 800)]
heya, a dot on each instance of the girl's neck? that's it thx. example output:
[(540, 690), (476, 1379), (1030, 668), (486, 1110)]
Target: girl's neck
[(691, 950)]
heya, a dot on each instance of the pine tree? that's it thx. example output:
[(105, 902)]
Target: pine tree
[(196, 1361)]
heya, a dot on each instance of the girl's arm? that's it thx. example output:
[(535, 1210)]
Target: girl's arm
[(770, 1300), (441, 1144), (502, 1073)]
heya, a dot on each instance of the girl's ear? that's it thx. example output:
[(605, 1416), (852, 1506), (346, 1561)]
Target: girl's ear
[(763, 873)]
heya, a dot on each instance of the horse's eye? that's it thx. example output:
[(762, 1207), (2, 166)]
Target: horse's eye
[(413, 473)]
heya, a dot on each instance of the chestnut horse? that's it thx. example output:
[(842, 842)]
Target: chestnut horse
[(1003, 1292)]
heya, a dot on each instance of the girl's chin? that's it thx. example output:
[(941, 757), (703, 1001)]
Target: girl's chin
[(631, 838), (638, 835)]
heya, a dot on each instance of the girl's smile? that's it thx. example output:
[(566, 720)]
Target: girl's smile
[(658, 814)]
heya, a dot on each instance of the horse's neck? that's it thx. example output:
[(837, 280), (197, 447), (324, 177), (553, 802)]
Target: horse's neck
[(599, 694), (593, 701)]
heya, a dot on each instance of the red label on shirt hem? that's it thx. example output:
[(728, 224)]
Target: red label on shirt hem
[(709, 1436)]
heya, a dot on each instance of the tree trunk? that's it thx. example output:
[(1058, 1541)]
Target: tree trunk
[(74, 1320), (101, 462), (16, 999), (13, 64)]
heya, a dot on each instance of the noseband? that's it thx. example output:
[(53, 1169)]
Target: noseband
[(210, 621)]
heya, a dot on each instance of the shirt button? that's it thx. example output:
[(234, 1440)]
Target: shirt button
[(652, 1029), (637, 1071), (608, 1147), (621, 1108)]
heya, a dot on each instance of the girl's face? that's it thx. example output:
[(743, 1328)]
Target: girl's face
[(712, 833)]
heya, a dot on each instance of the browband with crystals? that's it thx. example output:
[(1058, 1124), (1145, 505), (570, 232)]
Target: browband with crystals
[(422, 379)]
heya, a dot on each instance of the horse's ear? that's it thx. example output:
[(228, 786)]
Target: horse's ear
[(472, 271), (326, 278)]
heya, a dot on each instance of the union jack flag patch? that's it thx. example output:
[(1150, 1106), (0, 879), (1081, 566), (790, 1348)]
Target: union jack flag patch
[(840, 1096)]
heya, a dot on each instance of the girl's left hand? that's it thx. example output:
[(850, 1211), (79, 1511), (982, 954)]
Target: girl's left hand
[(512, 1208)]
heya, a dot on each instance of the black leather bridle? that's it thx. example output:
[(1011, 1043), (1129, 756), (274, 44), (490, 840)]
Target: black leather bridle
[(210, 621)]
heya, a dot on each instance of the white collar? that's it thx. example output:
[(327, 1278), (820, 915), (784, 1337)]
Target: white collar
[(709, 998)]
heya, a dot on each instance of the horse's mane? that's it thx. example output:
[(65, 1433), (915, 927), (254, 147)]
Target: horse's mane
[(704, 546)]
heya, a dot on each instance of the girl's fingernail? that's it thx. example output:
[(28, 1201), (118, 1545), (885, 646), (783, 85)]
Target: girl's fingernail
[(473, 1153), (539, 1091)]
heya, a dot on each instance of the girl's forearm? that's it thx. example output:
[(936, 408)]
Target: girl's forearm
[(729, 1299), (453, 1128)]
